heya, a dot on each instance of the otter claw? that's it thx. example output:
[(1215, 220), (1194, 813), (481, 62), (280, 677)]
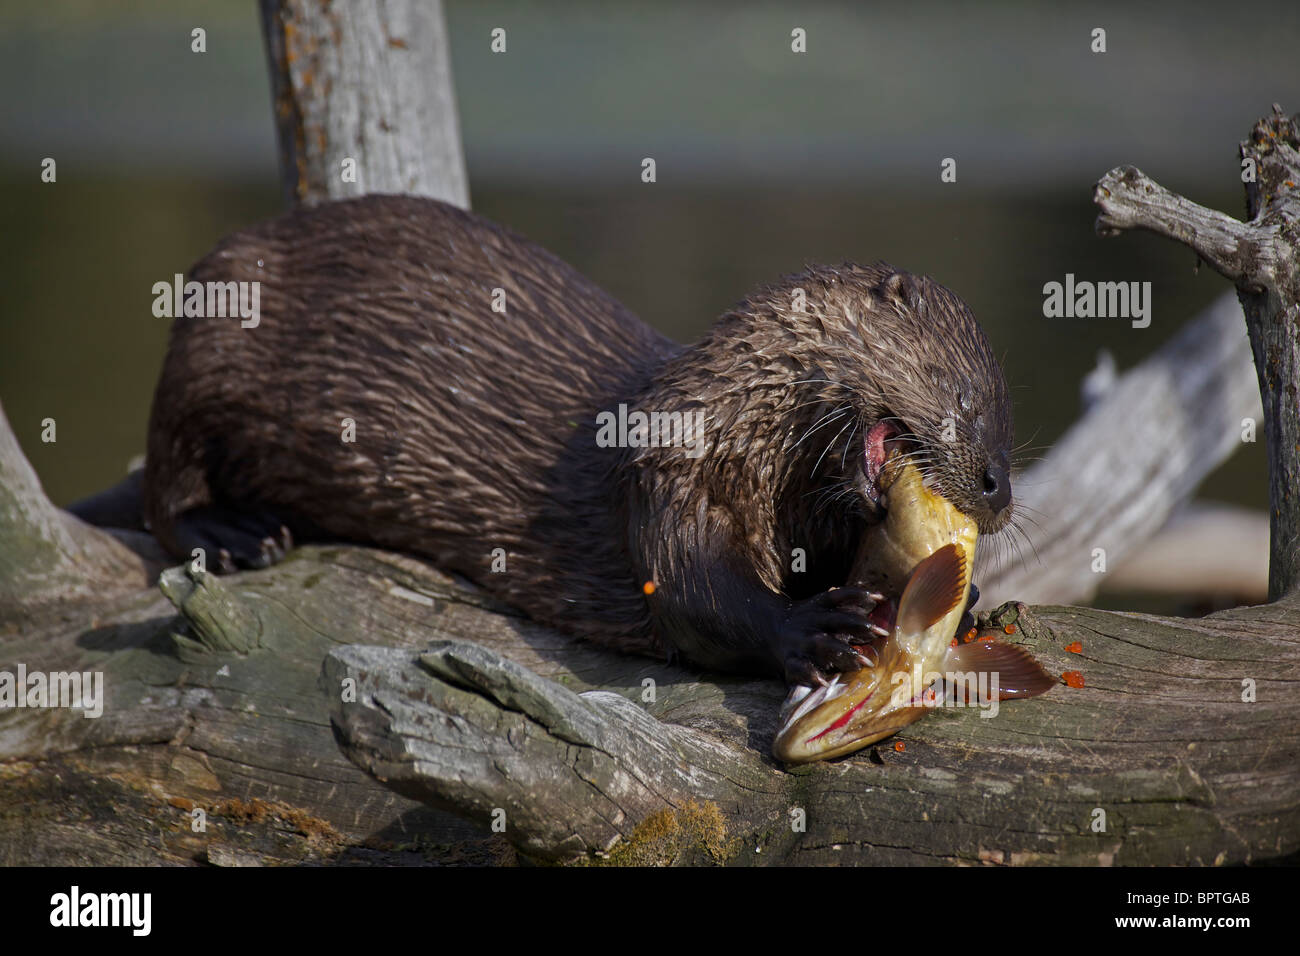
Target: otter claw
[(801, 672), (236, 539), (836, 597)]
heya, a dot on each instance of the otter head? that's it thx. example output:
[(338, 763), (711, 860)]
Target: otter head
[(942, 392), (913, 363)]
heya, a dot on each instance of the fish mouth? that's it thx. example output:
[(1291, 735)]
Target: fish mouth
[(920, 558), (808, 735)]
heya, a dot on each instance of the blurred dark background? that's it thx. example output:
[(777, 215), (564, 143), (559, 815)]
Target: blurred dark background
[(767, 160)]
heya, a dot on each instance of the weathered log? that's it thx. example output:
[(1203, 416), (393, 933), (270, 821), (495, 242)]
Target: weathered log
[(216, 699), (211, 703), (1157, 760)]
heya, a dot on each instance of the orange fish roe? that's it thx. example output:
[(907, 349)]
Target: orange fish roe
[(969, 636), (1009, 629), (987, 639), (1075, 648), (1073, 678), (648, 588), (899, 746), (953, 642)]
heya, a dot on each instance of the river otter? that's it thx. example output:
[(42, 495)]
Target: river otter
[(475, 434)]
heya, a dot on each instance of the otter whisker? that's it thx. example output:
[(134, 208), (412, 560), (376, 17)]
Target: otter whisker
[(1027, 441), (1014, 527), (1019, 528), (844, 455), (818, 400), (828, 447), (837, 412), (833, 494)]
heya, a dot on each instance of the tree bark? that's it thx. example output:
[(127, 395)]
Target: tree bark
[(366, 82)]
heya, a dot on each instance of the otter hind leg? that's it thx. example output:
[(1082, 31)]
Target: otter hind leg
[(232, 539), (121, 506)]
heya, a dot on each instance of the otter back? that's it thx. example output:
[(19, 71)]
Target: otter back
[(471, 429)]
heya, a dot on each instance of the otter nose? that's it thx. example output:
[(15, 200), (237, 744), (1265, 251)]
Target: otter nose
[(997, 487)]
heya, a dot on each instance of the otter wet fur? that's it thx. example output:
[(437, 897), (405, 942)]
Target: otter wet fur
[(476, 430)]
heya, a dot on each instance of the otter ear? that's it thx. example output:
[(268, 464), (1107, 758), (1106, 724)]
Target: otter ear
[(900, 288)]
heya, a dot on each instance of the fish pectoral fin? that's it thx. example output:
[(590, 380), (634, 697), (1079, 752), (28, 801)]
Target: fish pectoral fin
[(935, 588), (1018, 674)]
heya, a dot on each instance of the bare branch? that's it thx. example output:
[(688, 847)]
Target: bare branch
[(1129, 199), (1263, 258)]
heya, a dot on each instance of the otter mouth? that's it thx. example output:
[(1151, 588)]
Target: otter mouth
[(883, 440)]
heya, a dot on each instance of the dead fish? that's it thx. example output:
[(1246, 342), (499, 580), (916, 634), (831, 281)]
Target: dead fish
[(925, 548)]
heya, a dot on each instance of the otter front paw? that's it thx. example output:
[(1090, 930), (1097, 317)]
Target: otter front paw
[(818, 635)]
